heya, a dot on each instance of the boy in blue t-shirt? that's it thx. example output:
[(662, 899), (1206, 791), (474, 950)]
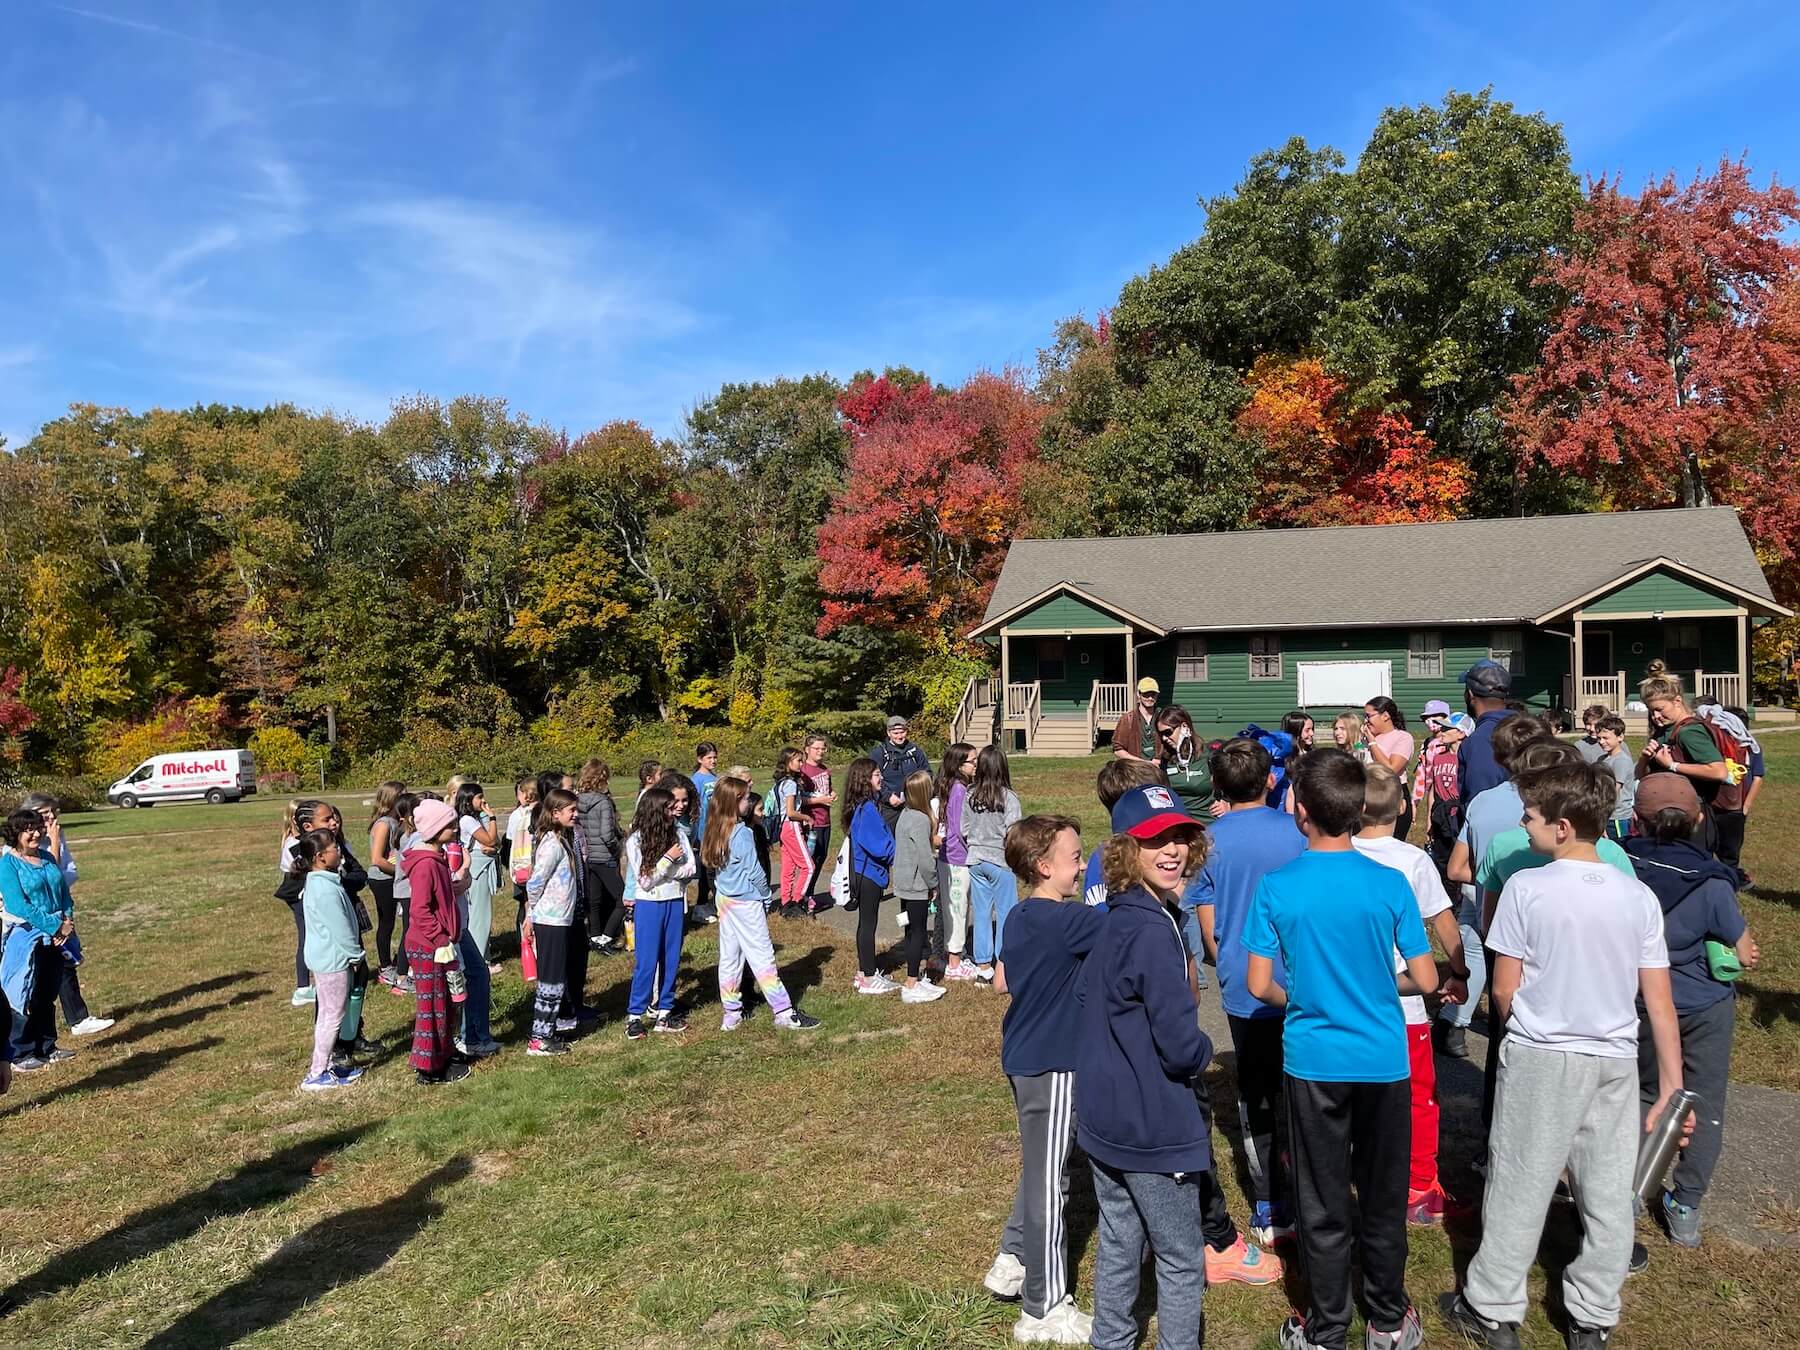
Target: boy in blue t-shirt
[(706, 781), (1046, 943), (1336, 918), (1249, 841)]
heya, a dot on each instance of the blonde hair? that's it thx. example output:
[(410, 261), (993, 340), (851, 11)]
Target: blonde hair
[(1660, 684), (1119, 864), (290, 828), (1384, 795), (918, 791), (1352, 724)]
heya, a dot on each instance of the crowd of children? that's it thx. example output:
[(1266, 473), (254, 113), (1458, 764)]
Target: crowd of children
[(1597, 911)]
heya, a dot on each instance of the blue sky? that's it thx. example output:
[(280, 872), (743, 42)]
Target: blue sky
[(604, 212)]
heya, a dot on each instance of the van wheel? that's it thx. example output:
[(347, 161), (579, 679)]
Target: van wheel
[(215, 797), (127, 801)]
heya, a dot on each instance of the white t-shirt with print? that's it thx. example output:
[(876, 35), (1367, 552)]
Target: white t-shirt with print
[(1583, 931), (1428, 890)]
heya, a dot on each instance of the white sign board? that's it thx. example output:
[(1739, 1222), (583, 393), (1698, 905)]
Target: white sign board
[(1343, 684)]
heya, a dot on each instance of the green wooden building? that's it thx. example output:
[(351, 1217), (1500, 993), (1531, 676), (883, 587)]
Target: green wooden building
[(1242, 627)]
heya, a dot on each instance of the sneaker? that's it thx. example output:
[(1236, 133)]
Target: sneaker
[(875, 984), (1640, 1259), (1456, 1311), (552, 1045), (1063, 1324), (59, 1056), (323, 1081), (304, 995), (1579, 1337), (477, 1049), (1270, 1223), (347, 1076), (733, 1019), (364, 1046), (400, 986), (386, 975), (961, 971), (30, 1064), (1450, 1040), (795, 1020), (634, 1029), (453, 1073), (1683, 1220), (922, 992), (1242, 1263), (90, 1026), (1409, 1335), (567, 1023), (1292, 1335), (1430, 1207), (1006, 1277), (984, 974), (673, 1022)]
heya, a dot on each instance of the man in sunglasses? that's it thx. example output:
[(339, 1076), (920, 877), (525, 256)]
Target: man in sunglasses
[(1136, 736)]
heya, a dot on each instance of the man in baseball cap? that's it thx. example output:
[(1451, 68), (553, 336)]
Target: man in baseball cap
[(1486, 687), (1135, 736)]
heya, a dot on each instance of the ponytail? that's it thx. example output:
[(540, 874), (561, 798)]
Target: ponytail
[(308, 847)]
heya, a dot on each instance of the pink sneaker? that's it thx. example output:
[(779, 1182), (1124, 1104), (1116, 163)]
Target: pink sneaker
[(1243, 1263)]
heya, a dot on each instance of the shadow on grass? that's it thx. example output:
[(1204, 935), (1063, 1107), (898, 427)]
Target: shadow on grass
[(1769, 1006), (252, 1186), (187, 991), (132, 1069), (1789, 898), (138, 1031), (338, 1249)]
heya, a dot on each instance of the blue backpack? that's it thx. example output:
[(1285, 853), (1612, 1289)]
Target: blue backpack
[(1280, 746)]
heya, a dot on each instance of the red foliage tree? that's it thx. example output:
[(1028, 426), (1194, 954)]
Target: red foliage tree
[(1327, 465), (915, 539), (1665, 362), (15, 718)]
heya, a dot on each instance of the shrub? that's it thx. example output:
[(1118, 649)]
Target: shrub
[(177, 724), (77, 793), (279, 750), (284, 784)]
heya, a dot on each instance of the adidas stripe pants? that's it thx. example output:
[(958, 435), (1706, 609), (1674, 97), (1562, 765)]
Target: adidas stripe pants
[(1035, 1232)]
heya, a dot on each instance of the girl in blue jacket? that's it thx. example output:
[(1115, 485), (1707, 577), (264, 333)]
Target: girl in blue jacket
[(871, 841), (1139, 1053)]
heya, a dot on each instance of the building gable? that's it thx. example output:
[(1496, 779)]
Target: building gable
[(1663, 591)]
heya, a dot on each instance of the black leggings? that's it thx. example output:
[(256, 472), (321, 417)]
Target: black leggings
[(606, 900), (382, 888), (302, 976), (868, 914), (575, 966), (917, 915), (74, 1006)]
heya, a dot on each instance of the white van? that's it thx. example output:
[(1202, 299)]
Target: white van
[(211, 775)]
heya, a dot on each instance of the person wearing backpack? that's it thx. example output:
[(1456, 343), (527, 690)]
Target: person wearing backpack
[(1702, 752)]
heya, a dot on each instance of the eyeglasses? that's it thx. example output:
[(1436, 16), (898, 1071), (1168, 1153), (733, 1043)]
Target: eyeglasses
[(1149, 694)]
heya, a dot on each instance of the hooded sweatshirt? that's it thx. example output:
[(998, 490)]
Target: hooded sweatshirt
[(432, 920), (1698, 895), (1141, 1047)]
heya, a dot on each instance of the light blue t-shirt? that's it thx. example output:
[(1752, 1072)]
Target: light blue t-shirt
[(1246, 847), (1490, 815), (1336, 920), (704, 783)]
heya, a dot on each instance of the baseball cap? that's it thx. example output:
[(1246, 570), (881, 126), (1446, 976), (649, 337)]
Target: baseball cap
[(895, 721), (1658, 791), (1463, 723), (1149, 686), (430, 818), (1436, 708), (1145, 812), (1488, 679)]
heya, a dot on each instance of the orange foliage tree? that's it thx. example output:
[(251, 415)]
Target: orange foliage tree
[(1326, 464)]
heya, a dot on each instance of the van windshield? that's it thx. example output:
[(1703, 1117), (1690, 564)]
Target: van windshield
[(142, 772)]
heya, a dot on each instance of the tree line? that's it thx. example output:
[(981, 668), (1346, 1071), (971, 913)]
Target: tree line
[(1454, 327)]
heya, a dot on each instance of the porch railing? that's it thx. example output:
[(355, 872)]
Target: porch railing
[(1604, 689), (1106, 705), (1728, 689), (1025, 708), (977, 694)]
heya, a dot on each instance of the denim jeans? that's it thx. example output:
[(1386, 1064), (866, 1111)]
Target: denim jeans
[(992, 894), (1468, 914), (1190, 934), (477, 1006)]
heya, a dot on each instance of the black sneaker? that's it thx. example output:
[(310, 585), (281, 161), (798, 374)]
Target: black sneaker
[(673, 1022), (1579, 1337), (795, 1020), (453, 1073), (1640, 1259), (634, 1029), (59, 1056), (1454, 1042), (1494, 1335)]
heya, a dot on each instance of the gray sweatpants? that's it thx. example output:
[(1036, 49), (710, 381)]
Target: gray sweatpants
[(1034, 1233), (1166, 1210), (1555, 1109)]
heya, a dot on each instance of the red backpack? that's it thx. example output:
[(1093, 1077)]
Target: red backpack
[(1730, 796)]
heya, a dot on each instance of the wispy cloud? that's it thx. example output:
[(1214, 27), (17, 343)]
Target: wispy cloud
[(162, 31), (24, 354)]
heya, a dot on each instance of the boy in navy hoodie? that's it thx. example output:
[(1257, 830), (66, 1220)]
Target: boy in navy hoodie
[(1335, 919), (1141, 1048), (1045, 943)]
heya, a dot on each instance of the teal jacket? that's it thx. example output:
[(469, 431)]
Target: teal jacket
[(333, 937), (38, 896)]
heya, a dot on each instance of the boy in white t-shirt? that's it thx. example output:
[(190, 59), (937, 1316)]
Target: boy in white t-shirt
[(1573, 945), (1383, 797)]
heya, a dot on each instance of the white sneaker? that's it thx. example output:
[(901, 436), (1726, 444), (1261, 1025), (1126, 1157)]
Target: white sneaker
[(1006, 1277), (875, 984), (304, 995), (1064, 1324), (922, 992), (90, 1026)]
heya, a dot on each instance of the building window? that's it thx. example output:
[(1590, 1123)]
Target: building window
[(1265, 657), (1682, 651), (1053, 660), (1190, 660), (1506, 646), (1424, 657)]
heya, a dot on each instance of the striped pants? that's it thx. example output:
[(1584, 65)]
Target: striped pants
[(1035, 1233), (431, 1017)]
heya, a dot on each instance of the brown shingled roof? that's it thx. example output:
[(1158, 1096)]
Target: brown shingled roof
[(1466, 571)]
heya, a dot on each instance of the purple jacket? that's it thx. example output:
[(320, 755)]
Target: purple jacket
[(956, 848)]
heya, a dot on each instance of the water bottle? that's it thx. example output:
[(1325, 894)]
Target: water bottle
[(1660, 1145)]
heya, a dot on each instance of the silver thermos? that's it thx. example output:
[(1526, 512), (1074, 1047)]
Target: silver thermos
[(1660, 1145)]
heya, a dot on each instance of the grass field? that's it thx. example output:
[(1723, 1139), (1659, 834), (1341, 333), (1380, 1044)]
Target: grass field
[(171, 1187)]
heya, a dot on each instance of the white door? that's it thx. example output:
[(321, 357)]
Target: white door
[(1343, 684)]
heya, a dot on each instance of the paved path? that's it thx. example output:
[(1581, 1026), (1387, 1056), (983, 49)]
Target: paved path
[(1755, 1196)]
